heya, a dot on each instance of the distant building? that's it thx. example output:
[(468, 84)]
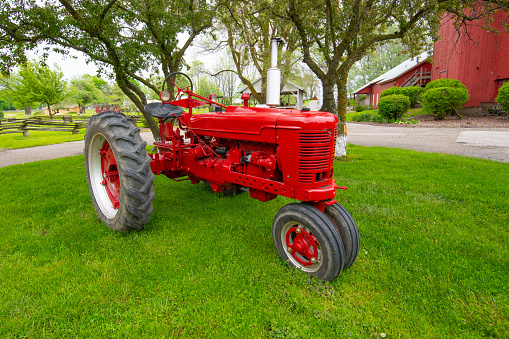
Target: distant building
[(106, 107), (62, 110), (413, 72), (289, 89), (479, 59)]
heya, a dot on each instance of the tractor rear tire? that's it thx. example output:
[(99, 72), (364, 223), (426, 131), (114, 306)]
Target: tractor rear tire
[(118, 171), (347, 229), (307, 240)]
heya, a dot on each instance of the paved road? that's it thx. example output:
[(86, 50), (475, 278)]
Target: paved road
[(485, 143), (490, 144), (10, 157)]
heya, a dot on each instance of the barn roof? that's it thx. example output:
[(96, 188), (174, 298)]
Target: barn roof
[(397, 71)]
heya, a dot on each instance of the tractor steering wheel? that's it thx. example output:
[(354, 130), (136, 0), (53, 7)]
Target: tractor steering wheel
[(179, 89)]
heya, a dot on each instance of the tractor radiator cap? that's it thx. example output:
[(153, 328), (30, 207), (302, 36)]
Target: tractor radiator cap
[(160, 110)]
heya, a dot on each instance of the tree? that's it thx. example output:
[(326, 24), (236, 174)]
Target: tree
[(336, 34), (250, 27), (44, 84), (84, 91), (307, 80), (123, 38), (334, 39), (375, 63), (227, 82), (6, 101), (20, 85)]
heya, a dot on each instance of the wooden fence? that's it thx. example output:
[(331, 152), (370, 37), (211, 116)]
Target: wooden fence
[(64, 123)]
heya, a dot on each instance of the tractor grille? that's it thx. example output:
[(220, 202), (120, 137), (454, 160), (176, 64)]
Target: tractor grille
[(316, 156)]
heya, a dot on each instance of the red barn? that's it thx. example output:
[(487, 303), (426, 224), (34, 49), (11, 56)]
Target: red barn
[(479, 59), (413, 72)]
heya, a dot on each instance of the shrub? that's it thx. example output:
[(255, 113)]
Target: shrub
[(413, 93), (391, 91), (444, 97), (144, 122), (1, 114), (393, 106), (443, 101), (363, 117), (503, 96), (444, 83), (359, 108)]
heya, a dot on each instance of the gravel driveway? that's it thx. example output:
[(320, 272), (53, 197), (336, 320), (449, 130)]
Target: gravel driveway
[(486, 143)]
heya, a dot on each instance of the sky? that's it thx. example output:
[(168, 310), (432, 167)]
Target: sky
[(69, 66), (74, 67)]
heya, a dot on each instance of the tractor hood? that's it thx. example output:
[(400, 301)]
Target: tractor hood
[(258, 124)]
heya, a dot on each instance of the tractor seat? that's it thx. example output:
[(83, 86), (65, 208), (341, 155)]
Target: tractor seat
[(158, 110)]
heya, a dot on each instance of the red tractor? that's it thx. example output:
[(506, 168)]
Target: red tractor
[(267, 151)]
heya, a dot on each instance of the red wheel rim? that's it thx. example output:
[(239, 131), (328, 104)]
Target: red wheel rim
[(111, 180), (302, 245)]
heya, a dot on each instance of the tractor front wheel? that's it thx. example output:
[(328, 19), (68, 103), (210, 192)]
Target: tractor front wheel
[(347, 228), (118, 172), (309, 241)]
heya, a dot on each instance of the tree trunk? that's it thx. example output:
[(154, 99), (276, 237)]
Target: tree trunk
[(49, 112), (342, 103), (329, 103), (140, 101), (28, 110)]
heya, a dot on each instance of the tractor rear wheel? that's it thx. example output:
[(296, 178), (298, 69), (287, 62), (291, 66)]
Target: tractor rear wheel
[(308, 241), (118, 172), (347, 229)]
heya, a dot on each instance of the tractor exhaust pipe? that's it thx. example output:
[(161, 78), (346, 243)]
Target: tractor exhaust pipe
[(274, 75)]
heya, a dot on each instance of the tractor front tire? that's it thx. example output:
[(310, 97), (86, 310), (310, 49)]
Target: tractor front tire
[(118, 171), (347, 228), (307, 240)]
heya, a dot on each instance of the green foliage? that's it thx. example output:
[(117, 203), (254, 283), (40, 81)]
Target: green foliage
[(444, 83), (126, 40), (391, 91), (413, 93), (36, 82), (206, 87), (444, 97), (359, 108), (84, 91), (503, 96), (393, 106), (379, 60)]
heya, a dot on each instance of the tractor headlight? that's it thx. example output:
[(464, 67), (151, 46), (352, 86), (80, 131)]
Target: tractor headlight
[(165, 96)]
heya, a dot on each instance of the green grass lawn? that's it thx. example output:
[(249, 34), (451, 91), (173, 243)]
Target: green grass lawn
[(434, 257), (38, 138)]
